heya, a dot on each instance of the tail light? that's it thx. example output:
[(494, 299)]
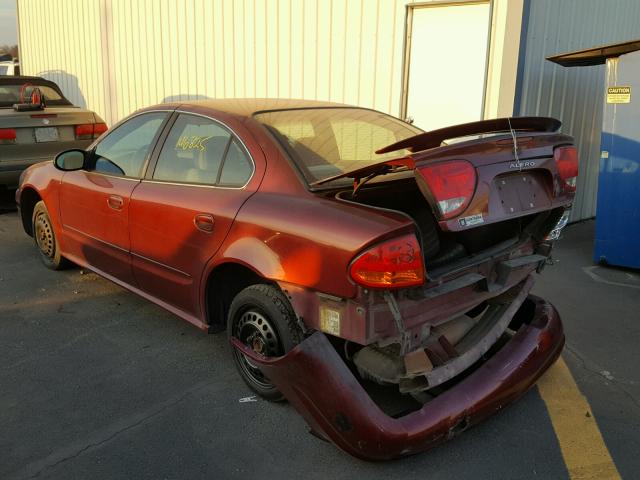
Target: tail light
[(7, 135), (89, 131), (395, 263), (451, 184), (567, 164), (99, 129)]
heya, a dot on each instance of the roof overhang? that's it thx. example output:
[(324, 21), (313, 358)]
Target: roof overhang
[(595, 55)]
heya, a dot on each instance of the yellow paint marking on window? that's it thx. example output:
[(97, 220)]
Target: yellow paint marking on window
[(193, 142), (583, 449)]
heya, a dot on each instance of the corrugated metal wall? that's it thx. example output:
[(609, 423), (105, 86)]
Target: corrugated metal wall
[(60, 40), (158, 50), (115, 56), (573, 95)]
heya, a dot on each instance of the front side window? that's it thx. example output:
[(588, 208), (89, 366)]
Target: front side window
[(124, 150), (201, 151), (331, 141)]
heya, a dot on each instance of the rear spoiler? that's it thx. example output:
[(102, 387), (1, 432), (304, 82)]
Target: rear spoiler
[(435, 138)]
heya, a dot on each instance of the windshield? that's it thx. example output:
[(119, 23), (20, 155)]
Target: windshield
[(4, 69), (10, 94), (330, 141)]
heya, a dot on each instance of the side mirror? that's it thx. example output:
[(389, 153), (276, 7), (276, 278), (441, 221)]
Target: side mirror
[(70, 160)]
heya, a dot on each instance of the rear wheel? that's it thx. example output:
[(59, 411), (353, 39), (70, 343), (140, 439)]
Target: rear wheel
[(45, 238), (262, 318)]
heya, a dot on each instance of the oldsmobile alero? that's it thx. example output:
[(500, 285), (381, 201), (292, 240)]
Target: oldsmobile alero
[(339, 247)]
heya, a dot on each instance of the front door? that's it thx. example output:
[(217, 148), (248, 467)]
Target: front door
[(181, 212), (94, 202)]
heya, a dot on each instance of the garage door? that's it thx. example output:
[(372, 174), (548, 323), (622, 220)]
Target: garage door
[(447, 62)]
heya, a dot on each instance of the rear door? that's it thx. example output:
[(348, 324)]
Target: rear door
[(94, 203), (182, 210)]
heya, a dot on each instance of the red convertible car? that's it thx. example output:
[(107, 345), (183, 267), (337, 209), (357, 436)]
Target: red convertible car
[(339, 247)]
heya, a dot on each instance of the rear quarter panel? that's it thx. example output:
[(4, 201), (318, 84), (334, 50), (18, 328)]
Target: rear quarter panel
[(308, 241)]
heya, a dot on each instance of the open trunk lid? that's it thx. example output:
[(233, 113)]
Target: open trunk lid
[(496, 176)]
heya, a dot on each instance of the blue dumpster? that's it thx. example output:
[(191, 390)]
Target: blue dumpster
[(618, 209)]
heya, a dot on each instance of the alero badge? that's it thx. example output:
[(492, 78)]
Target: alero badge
[(520, 165)]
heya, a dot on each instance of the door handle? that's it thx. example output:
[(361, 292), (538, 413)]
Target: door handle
[(115, 202), (204, 222)]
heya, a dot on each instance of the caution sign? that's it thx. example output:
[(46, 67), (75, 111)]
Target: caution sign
[(618, 94)]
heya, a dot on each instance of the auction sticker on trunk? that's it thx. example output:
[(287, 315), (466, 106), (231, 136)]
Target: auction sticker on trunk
[(471, 220)]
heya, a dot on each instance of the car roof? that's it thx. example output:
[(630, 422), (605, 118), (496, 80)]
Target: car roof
[(247, 107), (12, 79)]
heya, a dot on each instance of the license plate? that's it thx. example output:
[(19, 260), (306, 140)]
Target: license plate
[(47, 134), (521, 192)]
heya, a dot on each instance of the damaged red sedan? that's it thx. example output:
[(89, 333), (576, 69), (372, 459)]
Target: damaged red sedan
[(344, 251)]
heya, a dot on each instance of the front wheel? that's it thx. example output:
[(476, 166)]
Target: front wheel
[(45, 238), (261, 317)]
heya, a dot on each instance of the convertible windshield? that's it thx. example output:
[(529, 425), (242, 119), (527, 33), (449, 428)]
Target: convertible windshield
[(325, 142)]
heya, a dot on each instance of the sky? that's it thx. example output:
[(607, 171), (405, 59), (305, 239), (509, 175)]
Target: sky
[(8, 29)]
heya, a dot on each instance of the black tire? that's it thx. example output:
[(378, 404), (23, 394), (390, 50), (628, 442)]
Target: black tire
[(262, 318), (45, 238)]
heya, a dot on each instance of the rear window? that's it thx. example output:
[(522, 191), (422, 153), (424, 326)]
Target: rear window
[(330, 141), (10, 94)]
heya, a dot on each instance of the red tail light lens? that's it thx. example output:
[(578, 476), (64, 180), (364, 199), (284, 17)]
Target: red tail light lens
[(567, 164), (99, 129), (7, 135), (395, 263), (84, 132), (90, 130), (451, 184)]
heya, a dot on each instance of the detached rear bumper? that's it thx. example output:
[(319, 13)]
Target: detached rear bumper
[(320, 386)]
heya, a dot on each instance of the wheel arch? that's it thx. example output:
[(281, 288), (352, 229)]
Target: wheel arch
[(29, 197), (222, 284)]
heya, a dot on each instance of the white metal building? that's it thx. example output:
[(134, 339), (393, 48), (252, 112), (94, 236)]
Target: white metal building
[(439, 62), (118, 55)]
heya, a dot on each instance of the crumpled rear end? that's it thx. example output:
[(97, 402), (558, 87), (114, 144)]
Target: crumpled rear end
[(318, 383)]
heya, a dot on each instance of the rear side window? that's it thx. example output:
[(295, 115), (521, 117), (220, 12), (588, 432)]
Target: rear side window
[(199, 150), (124, 150), (237, 167), (324, 142)]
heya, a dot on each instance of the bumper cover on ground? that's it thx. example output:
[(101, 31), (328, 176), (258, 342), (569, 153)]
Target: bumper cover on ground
[(316, 381)]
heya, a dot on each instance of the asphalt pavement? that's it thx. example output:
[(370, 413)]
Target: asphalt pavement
[(98, 383)]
